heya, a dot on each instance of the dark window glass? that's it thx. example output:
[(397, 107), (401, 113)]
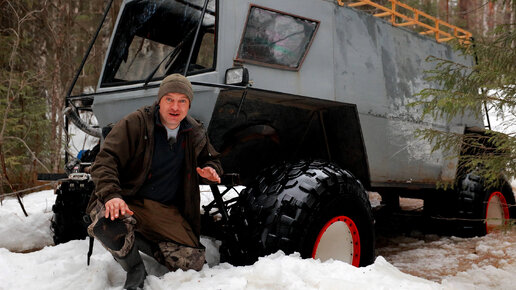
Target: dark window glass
[(154, 38), (275, 38)]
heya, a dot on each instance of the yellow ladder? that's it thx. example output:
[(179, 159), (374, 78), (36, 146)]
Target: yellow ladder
[(412, 17)]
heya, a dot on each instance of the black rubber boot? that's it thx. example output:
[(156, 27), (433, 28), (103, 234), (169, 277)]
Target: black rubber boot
[(133, 265)]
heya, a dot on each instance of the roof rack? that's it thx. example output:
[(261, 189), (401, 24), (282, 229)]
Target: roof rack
[(403, 15)]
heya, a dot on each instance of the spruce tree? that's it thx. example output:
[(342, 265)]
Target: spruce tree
[(489, 85)]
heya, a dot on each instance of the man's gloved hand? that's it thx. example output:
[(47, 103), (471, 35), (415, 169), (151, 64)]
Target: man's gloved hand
[(209, 173), (116, 207)]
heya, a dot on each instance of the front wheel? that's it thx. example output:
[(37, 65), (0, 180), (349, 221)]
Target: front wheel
[(314, 208)]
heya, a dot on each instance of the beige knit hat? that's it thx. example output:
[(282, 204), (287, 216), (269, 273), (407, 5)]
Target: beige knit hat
[(176, 83)]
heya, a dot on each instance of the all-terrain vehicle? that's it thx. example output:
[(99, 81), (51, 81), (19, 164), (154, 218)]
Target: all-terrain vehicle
[(306, 102)]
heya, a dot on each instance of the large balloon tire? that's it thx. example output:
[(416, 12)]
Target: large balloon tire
[(290, 206), (483, 210)]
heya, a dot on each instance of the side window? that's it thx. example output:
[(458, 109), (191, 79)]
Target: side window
[(205, 56), (277, 39)]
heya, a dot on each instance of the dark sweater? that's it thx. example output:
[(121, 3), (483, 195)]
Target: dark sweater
[(164, 183)]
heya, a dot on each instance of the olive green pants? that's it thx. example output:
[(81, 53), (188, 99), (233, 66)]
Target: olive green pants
[(158, 223)]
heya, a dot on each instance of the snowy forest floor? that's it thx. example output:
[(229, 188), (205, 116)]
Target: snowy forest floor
[(405, 260), (428, 254)]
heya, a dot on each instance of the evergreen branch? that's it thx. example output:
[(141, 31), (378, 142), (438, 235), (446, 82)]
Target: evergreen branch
[(491, 155)]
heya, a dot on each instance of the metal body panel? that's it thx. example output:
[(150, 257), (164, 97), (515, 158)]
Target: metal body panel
[(354, 58), (113, 106), (271, 127), (380, 68), (397, 157), (315, 78)]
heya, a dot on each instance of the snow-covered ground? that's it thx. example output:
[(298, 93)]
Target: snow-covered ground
[(440, 262), (457, 263)]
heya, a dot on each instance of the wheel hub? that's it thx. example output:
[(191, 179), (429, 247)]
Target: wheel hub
[(338, 240), (497, 212)]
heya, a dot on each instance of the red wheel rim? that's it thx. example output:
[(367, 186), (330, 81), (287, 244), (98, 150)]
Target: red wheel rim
[(352, 232), (496, 208)]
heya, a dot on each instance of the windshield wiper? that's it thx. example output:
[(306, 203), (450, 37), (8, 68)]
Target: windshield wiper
[(170, 56), (176, 50)]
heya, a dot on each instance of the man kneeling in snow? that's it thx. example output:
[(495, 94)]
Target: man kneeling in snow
[(147, 184)]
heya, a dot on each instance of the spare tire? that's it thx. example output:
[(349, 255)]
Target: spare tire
[(311, 207), (68, 222)]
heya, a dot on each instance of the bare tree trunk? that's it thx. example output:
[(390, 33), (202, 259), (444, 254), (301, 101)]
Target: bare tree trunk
[(444, 12), (490, 17), (463, 12), (56, 97), (508, 13), (60, 22)]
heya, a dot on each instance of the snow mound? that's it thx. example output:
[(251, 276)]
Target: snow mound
[(19, 233), (64, 267)]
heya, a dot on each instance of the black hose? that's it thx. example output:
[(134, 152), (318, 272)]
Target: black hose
[(77, 121)]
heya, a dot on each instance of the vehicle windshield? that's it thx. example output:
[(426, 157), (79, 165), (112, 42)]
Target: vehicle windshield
[(154, 37)]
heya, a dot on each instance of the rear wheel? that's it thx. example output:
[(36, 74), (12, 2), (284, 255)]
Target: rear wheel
[(314, 208), (497, 212), (484, 210)]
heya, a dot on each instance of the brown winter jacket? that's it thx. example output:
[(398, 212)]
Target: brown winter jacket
[(125, 158)]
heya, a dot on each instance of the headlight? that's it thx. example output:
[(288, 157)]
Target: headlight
[(238, 76)]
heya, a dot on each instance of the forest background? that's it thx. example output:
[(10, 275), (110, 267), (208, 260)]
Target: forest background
[(42, 43)]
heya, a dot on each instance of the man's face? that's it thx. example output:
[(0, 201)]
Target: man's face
[(173, 108)]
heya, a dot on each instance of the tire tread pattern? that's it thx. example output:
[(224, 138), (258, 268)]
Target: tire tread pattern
[(282, 209)]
